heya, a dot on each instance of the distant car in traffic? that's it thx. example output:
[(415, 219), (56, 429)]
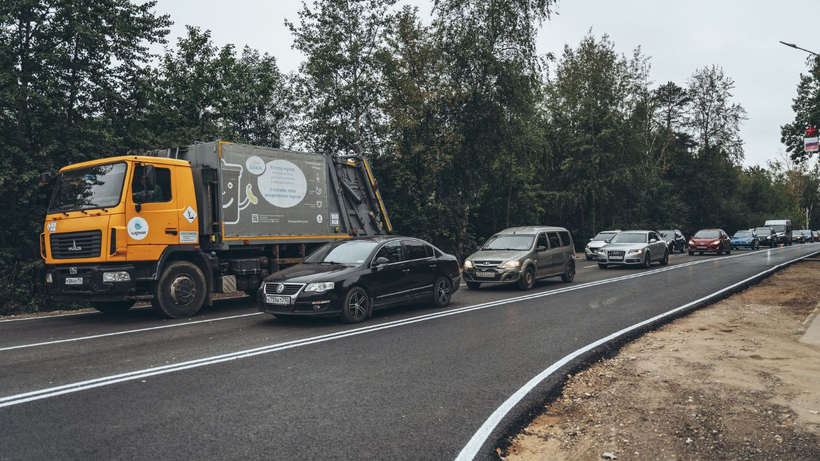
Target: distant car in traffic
[(766, 236), (595, 243), (782, 229), (798, 237), (808, 237), (674, 240), (745, 239), (816, 235), (710, 241), (352, 278), (637, 248), (522, 255)]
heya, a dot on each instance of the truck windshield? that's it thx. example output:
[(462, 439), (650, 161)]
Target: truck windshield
[(342, 253), (509, 242), (98, 186)]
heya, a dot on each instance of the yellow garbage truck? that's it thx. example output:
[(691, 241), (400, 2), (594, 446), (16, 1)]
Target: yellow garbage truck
[(176, 226)]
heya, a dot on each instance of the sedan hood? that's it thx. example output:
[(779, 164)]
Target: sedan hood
[(704, 241), (307, 273), (625, 246), (596, 244), (497, 255)]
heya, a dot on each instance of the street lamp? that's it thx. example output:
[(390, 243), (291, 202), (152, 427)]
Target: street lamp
[(792, 45)]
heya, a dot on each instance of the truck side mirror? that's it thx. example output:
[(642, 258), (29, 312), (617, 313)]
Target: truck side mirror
[(45, 179)]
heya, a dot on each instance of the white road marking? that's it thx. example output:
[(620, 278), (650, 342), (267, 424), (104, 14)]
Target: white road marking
[(47, 317), (475, 443), (140, 330), (141, 374)]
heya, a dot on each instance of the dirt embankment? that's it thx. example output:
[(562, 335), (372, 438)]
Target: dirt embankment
[(728, 382)]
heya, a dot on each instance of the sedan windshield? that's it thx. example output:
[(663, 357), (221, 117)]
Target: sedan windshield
[(351, 253), (667, 234), (744, 234), (707, 234), (509, 242), (98, 186), (603, 236), (629, 237), (763, 230)]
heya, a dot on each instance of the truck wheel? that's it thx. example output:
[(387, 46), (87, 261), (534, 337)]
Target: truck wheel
[(356, 306), (527, 279), (569, 273), (442, 291), (115, 307), (473, 285), (180, 291)]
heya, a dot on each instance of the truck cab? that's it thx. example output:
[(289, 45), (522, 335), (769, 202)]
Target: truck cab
[(109, 223)]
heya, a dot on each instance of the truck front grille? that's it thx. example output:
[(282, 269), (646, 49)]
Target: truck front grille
[(73, 245)]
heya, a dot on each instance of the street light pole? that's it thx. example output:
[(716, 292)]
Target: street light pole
[(792, 45)]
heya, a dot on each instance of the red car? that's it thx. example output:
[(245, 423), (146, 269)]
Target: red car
[(710, 241)]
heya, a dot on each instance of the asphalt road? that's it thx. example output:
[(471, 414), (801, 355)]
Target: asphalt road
[(413, 383)]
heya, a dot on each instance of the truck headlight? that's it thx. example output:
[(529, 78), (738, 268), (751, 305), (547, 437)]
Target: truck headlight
[(319, 287), (468, 264), (511, 264), (636, 252), (118, 276), (48, 278)]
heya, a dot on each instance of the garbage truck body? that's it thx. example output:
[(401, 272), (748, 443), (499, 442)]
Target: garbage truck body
[(177, 226)]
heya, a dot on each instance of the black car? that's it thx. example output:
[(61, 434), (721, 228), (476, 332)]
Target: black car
[(674, 240), (766, 236), (350, 279)]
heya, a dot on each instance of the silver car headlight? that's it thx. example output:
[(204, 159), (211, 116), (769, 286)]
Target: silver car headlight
[(636, 252), (319, 287)]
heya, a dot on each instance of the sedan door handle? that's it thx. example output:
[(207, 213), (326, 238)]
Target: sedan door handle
[(405, 270)]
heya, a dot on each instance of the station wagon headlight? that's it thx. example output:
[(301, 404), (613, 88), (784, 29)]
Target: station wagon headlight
[(636, 252), (511, 264), (319, 287), (468, 264)]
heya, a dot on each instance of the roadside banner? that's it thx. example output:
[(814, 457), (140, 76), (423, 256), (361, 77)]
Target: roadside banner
[(811, 144)]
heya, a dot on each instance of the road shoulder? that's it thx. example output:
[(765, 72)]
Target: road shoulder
[(729, 381)]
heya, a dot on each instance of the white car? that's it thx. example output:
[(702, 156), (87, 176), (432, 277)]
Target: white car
[(595, 243)]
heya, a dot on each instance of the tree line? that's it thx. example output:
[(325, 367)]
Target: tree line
[(469, 130)]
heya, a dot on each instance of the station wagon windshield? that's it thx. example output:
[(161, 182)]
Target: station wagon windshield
[(509, 242), (626, 237), (353, 253), (98, 186)]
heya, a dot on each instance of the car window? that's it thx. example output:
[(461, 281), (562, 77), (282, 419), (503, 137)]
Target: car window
[(429, 250), (566, 240), (555, 242), (392, 251), (542, 241), (414, 249)]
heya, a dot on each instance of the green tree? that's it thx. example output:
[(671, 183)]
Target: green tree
[(806, 106)]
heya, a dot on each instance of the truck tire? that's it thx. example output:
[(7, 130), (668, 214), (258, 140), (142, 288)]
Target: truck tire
[(114, 307), (180, 290), (356, 306)]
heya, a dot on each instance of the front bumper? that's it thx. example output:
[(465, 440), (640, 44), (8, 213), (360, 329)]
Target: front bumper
[(705, 248), (328, 304), (591, 253), (744, 245), (91, 286), (628, 260), (492, 275)]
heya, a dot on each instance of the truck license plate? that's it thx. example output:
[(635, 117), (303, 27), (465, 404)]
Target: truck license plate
[(485, 274), (74, 281), (277, 300)]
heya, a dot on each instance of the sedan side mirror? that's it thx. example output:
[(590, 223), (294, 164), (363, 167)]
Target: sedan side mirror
[(541, 248), (590, 239), (381, 261), (652, 240)]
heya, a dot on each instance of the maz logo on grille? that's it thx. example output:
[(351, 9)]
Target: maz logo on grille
[(74, 246)]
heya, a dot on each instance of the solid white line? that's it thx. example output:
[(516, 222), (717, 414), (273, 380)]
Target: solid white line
[(42, 317), (140, 330), (478, 439), (139, 374)]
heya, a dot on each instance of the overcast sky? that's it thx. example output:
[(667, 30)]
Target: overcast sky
[(679, 36)]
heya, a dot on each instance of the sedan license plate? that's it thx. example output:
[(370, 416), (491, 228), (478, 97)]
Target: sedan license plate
[(485, 274), (616, 258), (701, 247), (74, 281), (277, 300)]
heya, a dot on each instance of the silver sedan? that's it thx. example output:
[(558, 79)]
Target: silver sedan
[(634, 248)]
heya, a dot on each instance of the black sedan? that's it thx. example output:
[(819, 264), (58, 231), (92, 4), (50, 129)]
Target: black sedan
[(675, 240), (766, 236), (350, 279)]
